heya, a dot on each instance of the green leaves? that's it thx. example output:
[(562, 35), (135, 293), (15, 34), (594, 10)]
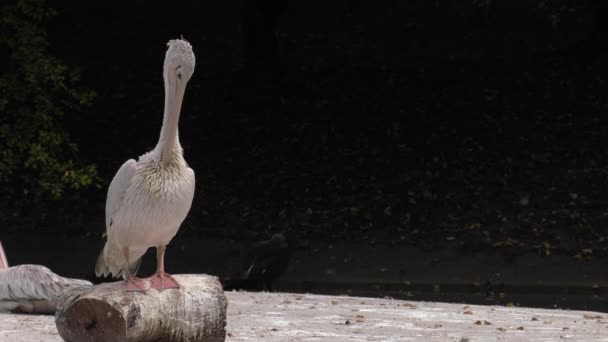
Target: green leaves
[(37, 156)]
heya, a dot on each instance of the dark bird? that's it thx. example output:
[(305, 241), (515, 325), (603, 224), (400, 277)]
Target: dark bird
[(263, 264)]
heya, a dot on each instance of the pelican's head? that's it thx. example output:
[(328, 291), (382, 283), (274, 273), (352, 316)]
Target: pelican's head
[(179, 61)]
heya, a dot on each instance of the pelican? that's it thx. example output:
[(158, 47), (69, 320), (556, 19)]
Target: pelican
[(31, 288), (149, 198)]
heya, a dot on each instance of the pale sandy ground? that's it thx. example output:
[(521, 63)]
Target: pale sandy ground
[(300, 317)]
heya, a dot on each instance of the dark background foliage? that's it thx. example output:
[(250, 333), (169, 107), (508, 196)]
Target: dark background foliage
[(38, 159)]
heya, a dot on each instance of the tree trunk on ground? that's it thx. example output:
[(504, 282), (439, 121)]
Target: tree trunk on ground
[(194, 312)]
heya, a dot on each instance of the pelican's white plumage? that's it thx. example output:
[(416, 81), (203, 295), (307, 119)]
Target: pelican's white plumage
[(149, 198), (3, 260), (25, 284)]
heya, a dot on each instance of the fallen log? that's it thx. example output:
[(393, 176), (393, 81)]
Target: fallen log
[(105, 312)]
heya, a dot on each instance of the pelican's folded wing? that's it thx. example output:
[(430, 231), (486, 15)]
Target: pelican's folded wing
[(30, 282), (117, 189)]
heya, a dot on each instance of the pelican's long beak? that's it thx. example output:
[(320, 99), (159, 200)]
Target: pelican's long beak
[(3, 261)]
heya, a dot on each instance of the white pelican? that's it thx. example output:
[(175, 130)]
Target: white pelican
[(148, 199), (31, 288)]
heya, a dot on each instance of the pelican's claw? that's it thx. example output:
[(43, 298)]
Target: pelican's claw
[(162, 281), (134, 284)]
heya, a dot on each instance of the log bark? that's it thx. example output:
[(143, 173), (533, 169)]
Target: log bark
[(105, 312)]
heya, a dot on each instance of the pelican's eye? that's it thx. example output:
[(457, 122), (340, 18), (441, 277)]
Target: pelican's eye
[(178, 70)]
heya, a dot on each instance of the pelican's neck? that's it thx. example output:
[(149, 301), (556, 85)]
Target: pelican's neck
[(168, 142)]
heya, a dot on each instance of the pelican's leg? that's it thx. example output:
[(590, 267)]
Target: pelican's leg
[(161, 280), (132, 283)]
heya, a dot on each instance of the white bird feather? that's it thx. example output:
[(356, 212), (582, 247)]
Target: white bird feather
[(23, 284), (3, 260)]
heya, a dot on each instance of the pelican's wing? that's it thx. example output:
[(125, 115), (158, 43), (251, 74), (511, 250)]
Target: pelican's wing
[(30, 282), (117, 189), (3, 261)]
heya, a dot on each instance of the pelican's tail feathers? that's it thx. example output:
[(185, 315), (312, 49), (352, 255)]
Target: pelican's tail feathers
[(101, 268), (111, 261), (134, 266)]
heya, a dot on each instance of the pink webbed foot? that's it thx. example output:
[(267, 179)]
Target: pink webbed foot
[(162, 281), (134, 284)]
